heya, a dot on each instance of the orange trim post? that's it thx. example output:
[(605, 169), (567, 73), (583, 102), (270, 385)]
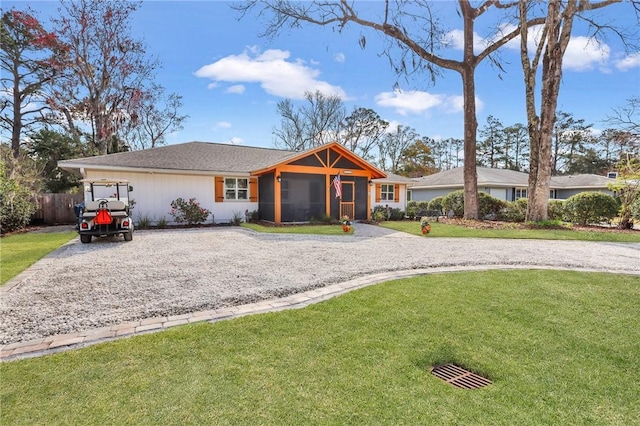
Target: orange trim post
[(277, 198)]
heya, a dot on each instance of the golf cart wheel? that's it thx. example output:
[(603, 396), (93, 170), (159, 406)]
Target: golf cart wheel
[(85, 239), (128, 236)]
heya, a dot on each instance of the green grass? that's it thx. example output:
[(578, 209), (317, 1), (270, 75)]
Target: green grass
[(455, 231), (20, 251), (562, 348), (298, 229)]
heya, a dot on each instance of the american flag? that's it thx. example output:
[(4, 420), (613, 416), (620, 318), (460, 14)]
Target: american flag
[(337, 185)]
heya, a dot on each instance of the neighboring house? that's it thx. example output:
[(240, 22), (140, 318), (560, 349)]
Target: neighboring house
[(284, 186), (504, 184)]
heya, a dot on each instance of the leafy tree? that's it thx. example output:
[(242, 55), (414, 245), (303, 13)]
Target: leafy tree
[(19, 182), (516, 147), (413, 28), (417, 159), (313, 124), (627, 189), (613, 144), (492, 148), (588, 162), (109, 68), (361, 132), (571, 138), (30, 59), (47, 147), (558, 17), (393, 145)]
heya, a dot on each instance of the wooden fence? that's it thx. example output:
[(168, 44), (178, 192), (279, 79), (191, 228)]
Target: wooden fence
[(56, 209)]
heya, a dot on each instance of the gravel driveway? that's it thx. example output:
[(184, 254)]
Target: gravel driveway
[(171, 272)]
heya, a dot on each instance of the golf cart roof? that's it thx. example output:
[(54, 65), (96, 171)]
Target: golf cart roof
[(106, 181)]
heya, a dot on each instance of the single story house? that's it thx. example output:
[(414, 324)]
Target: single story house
[(229, 180), (504, 184)]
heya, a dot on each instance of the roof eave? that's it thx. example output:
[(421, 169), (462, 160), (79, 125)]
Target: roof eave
[(76, 166)]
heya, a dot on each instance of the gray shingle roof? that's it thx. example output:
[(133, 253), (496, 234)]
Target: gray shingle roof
[(486, 177), (580, 181), (508, 178), (394, 178), (190, 156)]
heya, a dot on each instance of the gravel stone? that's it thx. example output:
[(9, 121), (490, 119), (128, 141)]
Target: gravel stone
[(81, 287)]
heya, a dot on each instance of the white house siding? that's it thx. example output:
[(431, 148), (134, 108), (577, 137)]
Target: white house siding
[(153, 193), (400, 204)]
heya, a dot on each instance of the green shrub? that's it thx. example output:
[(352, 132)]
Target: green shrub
[(555, 210), (454, 201), (237, 218), (396, 214), (188, 211), (144, 221), (412, 208), (547, 224), (436, 205), (490, 207), (16, 204), (379, 216), (422, 209), (591, 207), (162, 222), (635, 209), (323, 218), (515, 211)]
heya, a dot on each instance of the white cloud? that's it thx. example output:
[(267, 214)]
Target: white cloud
[(273, 70), (416, 102), (455, 40), (236, 141), (339, 57), (628, 62), (223, 125), (455, 104), (584, 54), (237, 89), (410, 102)]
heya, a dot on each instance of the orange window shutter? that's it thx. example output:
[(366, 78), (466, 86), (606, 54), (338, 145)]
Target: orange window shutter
[(219, 189), (253, 190), (378, 196), (396, 193)]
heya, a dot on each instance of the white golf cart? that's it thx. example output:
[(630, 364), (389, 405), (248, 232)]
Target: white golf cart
[(105, 210)]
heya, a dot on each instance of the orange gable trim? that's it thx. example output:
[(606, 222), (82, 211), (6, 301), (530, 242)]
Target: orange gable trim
[(367, 169)]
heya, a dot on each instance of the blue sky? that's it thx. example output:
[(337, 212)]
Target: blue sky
[(231, 79)]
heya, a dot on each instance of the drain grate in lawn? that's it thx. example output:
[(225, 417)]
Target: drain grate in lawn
[(459, 377)]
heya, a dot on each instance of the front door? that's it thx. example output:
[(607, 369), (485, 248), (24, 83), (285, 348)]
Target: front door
[(347, 201)]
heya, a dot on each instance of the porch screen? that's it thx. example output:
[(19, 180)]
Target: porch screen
[(302, 196)]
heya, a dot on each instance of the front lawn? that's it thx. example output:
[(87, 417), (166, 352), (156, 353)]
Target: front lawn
[(19, 251), (561, 348), (297, 229), (485, 230)]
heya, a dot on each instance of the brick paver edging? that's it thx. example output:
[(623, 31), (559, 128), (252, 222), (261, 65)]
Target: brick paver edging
[(64, 342)]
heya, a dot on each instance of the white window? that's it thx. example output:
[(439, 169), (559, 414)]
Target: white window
[(236, 188), (386, 192), (521, 193)]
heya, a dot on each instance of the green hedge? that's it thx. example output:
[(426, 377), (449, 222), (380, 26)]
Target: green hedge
[(591, 207)]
